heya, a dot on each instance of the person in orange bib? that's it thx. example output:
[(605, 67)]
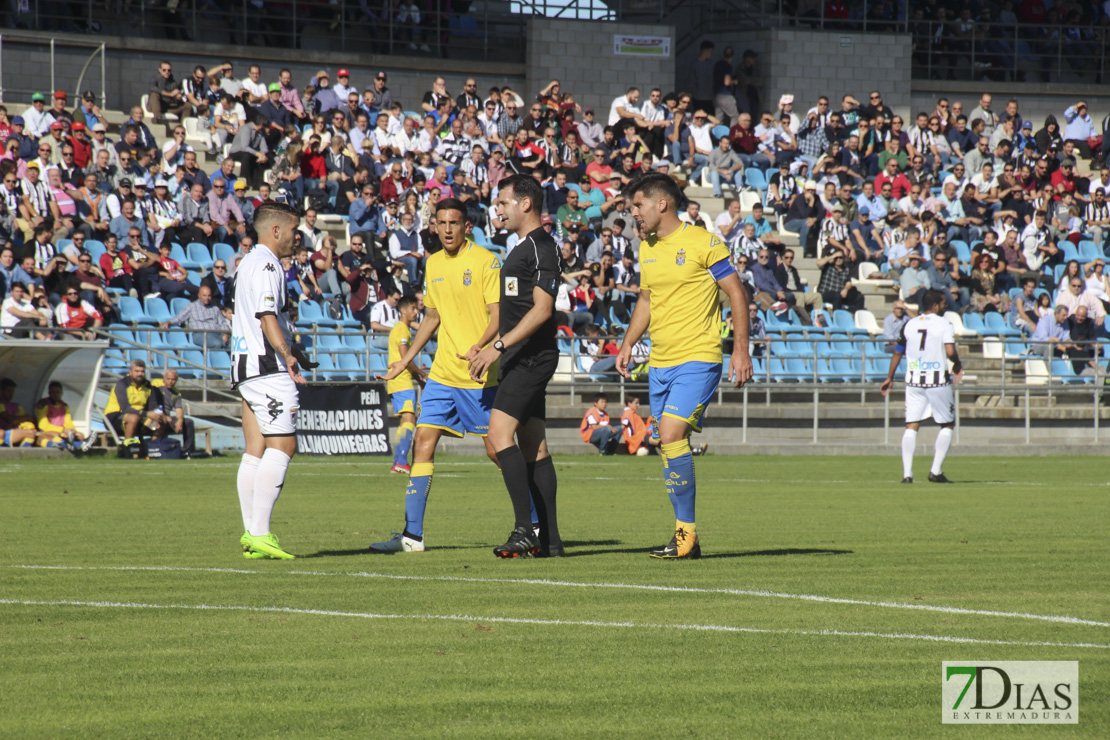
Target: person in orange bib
[(634, 429), (595, 428)]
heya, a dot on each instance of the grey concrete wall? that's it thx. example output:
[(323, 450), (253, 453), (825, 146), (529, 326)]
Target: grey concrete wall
[(132, 63), (809, 64), (579, 54)]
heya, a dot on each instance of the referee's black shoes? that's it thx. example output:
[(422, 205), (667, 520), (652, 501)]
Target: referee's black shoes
[(522, 543), (938, 478)]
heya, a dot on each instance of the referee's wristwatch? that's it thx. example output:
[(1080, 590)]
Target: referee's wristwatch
[(499, 346)]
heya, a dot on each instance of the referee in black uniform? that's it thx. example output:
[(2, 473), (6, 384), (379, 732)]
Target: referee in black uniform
[(529, 354)]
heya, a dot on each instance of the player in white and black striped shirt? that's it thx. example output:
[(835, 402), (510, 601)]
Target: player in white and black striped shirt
[(928, 343), (264, 371)]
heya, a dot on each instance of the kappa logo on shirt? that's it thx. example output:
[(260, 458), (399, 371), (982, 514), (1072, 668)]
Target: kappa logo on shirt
[(680, 258), (270, 267)]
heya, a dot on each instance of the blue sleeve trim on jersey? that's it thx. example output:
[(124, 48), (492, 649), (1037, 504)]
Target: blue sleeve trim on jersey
[(900, 349), (722, 269)]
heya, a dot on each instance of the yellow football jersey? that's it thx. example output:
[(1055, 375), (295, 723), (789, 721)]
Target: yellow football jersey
[(685, 310), (460, 288), (400, 339)]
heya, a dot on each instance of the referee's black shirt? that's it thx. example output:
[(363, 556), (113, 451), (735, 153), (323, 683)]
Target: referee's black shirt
[(533, 262)]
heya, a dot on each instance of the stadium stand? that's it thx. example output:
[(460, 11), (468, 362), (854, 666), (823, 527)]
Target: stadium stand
[(1044, 190)]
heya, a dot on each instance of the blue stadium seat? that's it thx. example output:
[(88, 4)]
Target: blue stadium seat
[(199, 254), (310, 313), (718, 131), (877, 369), (963, 252), (178, 339), (996, 326), (225, 252), (754, 179), (220, 361), (177, 252), (1015, 349), (840, 370), (177, 305), (1063, 372), (844, 321), (355, 340), (131, 311), (157, 309), (378, 362), (195, 357), (350, 362), (1088, 251), (114, 362), (348, 321), (974, 322), (123, 332), (1070, 251), (95, 248)]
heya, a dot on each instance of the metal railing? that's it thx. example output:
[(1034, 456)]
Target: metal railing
[(36, 83), (1009, 52), (818, 384), (342, 26)]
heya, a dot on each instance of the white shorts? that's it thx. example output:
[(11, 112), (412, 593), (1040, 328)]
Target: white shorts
[(921, 403), (274, 400)]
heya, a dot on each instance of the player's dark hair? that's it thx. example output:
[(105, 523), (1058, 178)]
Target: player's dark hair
[(931, 300), (657, 185), (409, 300), (269, 212), (54, 384), (6, 383), (525, 187), (600, 396), (453, 204)]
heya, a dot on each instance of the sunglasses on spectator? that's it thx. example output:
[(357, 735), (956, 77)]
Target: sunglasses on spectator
[(71, 292), (85, 261), (874, 97), (788, 257), (219, 267)]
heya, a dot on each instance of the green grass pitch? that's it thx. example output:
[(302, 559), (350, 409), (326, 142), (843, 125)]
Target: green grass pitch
[(805, 618)]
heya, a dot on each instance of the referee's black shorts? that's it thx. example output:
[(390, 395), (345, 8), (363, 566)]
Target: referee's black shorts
[(522, 391)]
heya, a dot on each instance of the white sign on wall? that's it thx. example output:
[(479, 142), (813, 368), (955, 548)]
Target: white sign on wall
[(655, 46)]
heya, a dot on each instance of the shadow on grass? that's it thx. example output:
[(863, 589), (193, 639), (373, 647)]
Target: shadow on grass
[(777, 553), (476, 546)]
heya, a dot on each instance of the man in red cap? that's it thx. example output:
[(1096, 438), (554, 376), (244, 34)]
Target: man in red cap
[(343, 87), (58, 112), (82, 145)]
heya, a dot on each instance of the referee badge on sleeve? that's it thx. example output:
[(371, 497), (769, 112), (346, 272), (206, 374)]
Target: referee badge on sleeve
[(512, 287)]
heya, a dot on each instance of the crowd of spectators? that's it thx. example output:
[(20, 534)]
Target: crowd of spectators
[(969, 203)]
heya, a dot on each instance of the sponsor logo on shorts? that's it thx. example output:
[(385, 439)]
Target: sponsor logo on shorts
[(274, 408)]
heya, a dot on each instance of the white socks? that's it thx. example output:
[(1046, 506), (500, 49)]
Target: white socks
[(909, 441), (245, 483), (944, 441), (267, 487)]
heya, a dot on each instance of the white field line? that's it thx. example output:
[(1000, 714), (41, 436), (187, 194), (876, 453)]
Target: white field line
[(1057, 619), (557, 622)]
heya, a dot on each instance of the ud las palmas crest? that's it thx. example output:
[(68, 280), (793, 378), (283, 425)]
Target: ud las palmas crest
[(466, 277), (680, 258)]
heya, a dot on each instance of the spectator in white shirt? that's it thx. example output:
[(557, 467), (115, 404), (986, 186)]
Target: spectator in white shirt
[(383, 316)]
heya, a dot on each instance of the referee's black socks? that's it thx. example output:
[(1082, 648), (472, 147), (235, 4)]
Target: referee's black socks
[(542, 481), (515, 472)]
